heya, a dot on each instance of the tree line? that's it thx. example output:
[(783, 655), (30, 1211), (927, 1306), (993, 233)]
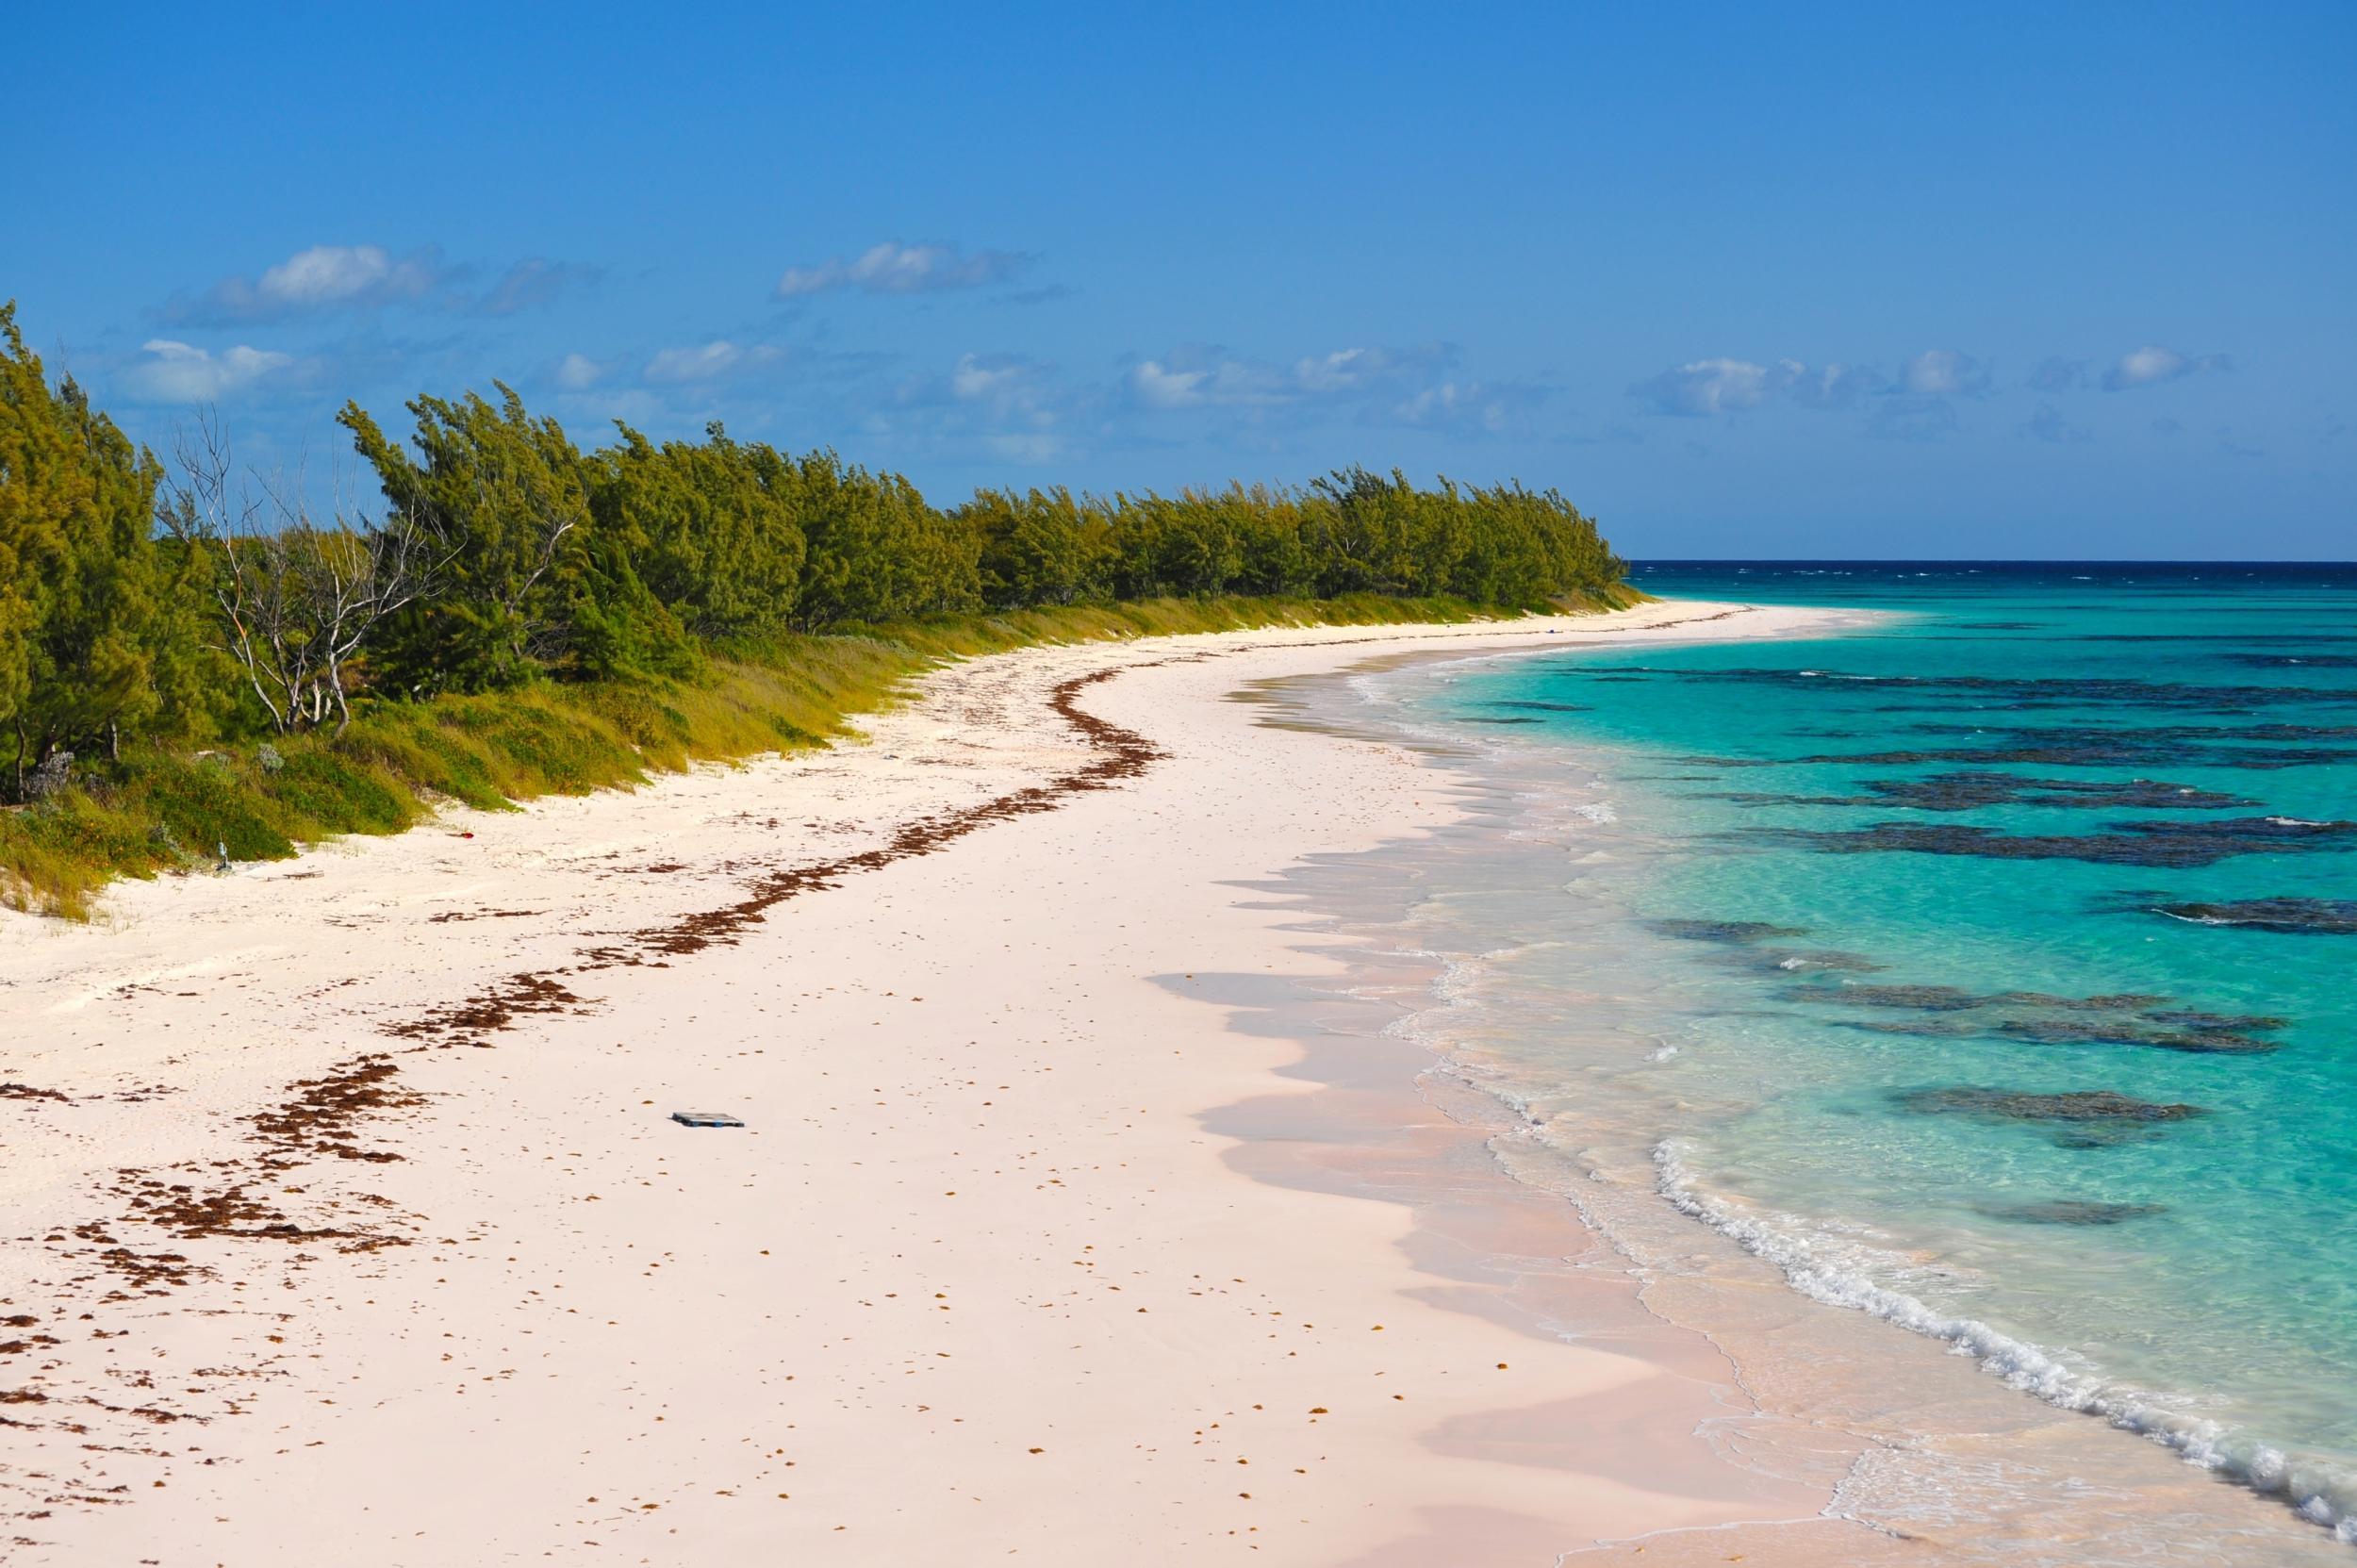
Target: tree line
[(147, 603)]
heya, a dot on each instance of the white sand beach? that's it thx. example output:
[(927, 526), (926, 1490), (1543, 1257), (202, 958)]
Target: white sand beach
[(346, 1223)]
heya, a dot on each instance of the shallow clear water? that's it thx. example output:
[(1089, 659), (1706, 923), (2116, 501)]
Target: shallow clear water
[(1989, 968)]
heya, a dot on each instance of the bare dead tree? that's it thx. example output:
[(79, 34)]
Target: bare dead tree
[(295, 600)]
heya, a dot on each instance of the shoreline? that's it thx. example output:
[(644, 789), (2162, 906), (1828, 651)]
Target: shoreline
[(391, 1343), (1953, 1456)]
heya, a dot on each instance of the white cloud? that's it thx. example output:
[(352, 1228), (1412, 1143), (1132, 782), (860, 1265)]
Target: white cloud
[(1158, 388), (1019, 409), (1710, 387), (1703, 387), (177, 372), (891, 267), (1343, 370), (1003, 406), (1212, 378), (325, 277), (976, 379), (709, 362), (1944, 373), (998, 392), (1829, 386), (983, 386), (577, 371), (1472, 407), (1219, 384), (334, 275), (2151, 364)]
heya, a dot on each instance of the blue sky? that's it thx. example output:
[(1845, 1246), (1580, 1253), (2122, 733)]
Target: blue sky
[(2045, 281)]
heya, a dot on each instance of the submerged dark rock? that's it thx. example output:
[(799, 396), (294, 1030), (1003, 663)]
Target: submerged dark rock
[(2120, 1019), (1725, 931), (1970, 791), (2174, 845), (1924, 998), (1951, 999), (1774, 797), (2074, 1210), (2071, 1105), (2292, 917), (2293, 661), (1742, 940), (2257, 746), (2284, 732), (1967, 790), (2133, 1032), (2014, 693), (2248, 638), (2113, 1001), (2195, 1018), (2082, 1118)]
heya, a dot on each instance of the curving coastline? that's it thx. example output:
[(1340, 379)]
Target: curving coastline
[(1011, 1206), (1983, 1471)]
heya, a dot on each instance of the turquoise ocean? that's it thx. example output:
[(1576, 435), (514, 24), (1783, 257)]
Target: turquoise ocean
[(1990, 966)]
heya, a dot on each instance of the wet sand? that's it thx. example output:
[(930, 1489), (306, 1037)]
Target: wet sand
[(1550, 1220)]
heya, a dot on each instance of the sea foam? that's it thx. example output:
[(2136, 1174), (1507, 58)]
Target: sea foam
[(2320, 1494)]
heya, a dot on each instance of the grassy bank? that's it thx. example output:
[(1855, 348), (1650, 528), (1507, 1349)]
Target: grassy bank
[(157, 813)]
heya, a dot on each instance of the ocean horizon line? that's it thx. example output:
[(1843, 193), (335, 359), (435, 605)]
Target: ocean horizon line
[(1976, 562)]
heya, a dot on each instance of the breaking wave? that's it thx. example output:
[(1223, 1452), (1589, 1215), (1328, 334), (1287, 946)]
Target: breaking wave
[(2318, 1493)]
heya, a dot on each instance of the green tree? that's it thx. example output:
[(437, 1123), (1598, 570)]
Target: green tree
[(1361, 533), (710, 528), (1042, 548), (508, 495), (875, 549), (40, 486), (98, 641)]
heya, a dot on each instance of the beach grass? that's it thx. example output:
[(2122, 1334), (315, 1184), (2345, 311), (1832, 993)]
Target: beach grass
[(158, 813)]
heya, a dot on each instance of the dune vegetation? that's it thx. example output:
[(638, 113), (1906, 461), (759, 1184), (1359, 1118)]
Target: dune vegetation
[(194, 665)]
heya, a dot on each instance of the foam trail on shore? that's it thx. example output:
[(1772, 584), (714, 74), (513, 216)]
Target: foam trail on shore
[(1922, 962), (2320, 1494)]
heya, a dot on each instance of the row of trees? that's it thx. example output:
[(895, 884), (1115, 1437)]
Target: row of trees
[(101, 631), (1353, 532), (177, 606)]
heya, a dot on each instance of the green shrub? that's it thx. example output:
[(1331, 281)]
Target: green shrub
[(157, 811)]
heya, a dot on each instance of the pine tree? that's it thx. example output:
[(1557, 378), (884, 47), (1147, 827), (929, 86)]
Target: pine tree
[(98, 645), (507, 495), (40, 485)]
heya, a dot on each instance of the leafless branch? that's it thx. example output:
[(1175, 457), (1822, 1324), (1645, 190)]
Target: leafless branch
[(296, 600)]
